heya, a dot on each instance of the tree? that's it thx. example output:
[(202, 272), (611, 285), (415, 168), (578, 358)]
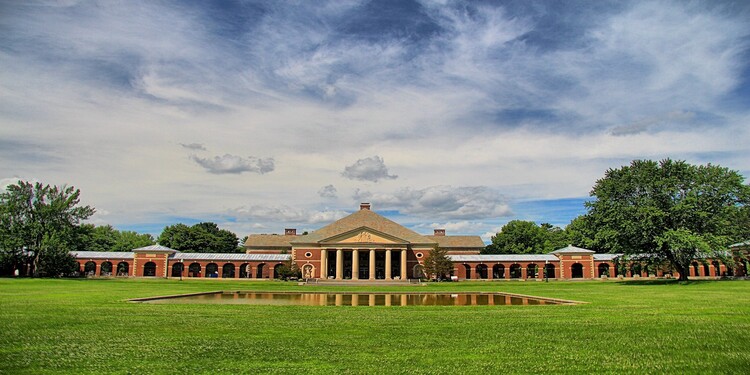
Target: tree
[(580, 233), (437, 264), (199, 238), (525, 237), (40, 224), (107, 238), (670, 211), (288, 270)]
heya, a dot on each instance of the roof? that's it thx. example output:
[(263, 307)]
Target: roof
[(504, 258), (570, 249), (270, 240), (606, 256), (232, 257), (458, 241), (102, 254), (154, 248), (361, 219)]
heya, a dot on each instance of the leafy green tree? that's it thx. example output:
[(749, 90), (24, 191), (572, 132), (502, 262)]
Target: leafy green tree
[(199, 238), (107, 238), (669, 210), (41, 223), (525, 237), (437, 264), (580, 233), (288, 270)]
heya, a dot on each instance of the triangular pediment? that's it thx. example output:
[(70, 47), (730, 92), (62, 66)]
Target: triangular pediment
[(363, 235)]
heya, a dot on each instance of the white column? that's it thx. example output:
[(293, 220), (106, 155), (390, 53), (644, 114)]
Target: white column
[(355, 264), (372, 264), (403, 264), (388, 264), (339, 264), (324, 264)]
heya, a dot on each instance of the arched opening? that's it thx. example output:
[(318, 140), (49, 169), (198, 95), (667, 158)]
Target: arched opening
[(244, 274), (259, 271), (194, 270), (276, 270), (418, 271), (730, 271), (576, 271), (515, 271), (212, 270), (695, 269), (603, 270), (89, 269), (123, 269), (227, 272), (468, 271), (717, 268), (549, 268), (482, 271), (706, 270), (177, 269), (105, 269), (498, 271), (531, 271), (635, 269), (149, 269)]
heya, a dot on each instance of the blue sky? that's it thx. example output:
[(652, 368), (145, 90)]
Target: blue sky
[(261, 115)]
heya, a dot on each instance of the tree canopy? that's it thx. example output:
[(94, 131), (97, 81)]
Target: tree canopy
[(669, 210), (525, 237), (200, 238), (39, 226), (107, 238)]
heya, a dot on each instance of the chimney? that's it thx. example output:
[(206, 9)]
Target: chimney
[(364, 206), (290, 231), (440, 232)]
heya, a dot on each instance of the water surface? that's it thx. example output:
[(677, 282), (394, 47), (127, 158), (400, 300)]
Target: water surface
[(357, 299)]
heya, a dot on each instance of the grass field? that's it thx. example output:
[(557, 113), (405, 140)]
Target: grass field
[(86, 326)]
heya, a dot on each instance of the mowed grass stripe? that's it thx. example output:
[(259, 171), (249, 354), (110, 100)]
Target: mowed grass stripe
[(86, 326)]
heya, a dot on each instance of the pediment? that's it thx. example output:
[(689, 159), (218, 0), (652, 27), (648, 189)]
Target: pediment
[(363, 236)]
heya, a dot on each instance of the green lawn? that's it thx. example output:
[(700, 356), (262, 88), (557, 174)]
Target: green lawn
[(86, 326)]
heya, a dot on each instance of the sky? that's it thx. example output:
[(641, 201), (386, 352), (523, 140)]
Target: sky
[(265, 115)]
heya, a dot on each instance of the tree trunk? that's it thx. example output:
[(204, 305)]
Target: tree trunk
[(684, 272)]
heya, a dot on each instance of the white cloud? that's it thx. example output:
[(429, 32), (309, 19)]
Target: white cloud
[(328, 191), (286, 214), (233, 164), (470, 202), (368, 169), (193, 146)]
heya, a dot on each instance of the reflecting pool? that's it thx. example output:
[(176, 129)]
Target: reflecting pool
[(356, 299)]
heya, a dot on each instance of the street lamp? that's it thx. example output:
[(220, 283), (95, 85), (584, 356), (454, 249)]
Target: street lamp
[(182, 269), (546, 279)]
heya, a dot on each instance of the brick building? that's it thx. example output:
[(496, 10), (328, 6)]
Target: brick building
[(368, 246)]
